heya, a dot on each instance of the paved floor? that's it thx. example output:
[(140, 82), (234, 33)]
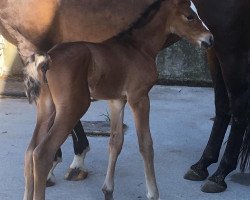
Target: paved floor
[(180, 125)]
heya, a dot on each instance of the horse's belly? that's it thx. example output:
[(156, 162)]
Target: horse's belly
[(107, 93)]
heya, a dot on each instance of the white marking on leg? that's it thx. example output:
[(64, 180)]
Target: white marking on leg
[(78, 161), (152, 191), (196, 12)]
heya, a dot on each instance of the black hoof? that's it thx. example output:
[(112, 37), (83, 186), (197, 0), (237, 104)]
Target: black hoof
[(196, 175), (213, 187), (50, 183)]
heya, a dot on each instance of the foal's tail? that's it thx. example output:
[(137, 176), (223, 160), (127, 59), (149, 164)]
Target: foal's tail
[(32, 78)]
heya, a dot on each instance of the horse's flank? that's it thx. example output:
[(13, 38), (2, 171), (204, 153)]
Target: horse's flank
[(38, 25)]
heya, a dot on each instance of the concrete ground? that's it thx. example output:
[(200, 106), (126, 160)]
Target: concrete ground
[(180, 126)]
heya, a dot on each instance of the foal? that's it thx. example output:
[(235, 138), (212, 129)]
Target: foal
[(121, 69)]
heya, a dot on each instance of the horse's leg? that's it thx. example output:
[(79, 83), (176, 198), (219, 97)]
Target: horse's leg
[(234, 69), (115, 145), (77, 169), (45, 118), (28, 167), (141, 116), (73, 104), (51, 179), (198, 171)]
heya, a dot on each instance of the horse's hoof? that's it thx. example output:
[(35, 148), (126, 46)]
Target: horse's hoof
[(196, 175), (51, 181), (75, 175), (213, 187), (108, 195)]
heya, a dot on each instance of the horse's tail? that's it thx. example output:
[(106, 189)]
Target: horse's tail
[(245, 150), (32, 78), (244, 157)]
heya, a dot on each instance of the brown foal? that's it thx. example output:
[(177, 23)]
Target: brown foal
[(121, 69)]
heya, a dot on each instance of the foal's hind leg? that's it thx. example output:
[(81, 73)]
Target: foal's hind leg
[(115, 145), (45, 116), (141, 117), (77, 170), (44, 153), (234, 72), (198, 171)]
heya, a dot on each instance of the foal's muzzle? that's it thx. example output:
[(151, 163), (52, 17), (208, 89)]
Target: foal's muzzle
[(207, 41)]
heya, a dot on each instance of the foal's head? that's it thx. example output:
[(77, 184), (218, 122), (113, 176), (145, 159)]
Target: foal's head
[(184, 21)]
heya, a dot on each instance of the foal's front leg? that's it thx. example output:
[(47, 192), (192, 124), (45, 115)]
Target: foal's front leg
[(141, 117), (115, 145)]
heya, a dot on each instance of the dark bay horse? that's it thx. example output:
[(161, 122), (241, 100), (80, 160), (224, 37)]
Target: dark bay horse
[(229, 21), (35, 26), (121, 69)]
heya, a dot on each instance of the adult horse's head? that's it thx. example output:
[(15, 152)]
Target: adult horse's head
[(184, 21)]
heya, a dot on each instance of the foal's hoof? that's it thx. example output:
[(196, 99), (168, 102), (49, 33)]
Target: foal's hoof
[(51, 181), (108, 195), (213, 187), (75, 175), (196, 175)]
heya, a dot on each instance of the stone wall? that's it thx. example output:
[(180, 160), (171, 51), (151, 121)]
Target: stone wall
[(181, 63)]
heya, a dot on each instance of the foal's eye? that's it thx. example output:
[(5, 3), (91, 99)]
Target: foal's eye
[(190, 17)]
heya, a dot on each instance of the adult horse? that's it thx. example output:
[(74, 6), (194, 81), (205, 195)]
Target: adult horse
[(121, 69), (229, 21), (35, 26)]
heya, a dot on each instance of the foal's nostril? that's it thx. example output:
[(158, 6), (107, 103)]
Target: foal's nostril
[(211, 40), (207, 42)]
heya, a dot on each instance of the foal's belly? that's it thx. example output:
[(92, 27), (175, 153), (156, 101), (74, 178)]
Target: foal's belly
[(107, 94)]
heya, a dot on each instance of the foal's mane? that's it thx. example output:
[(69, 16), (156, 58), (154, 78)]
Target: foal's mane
[(146, 16)]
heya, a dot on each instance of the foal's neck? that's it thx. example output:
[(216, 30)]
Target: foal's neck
[(151, 37)]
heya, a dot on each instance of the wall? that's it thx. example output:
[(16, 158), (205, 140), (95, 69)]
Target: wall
[(10, 62), (183, 63)]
